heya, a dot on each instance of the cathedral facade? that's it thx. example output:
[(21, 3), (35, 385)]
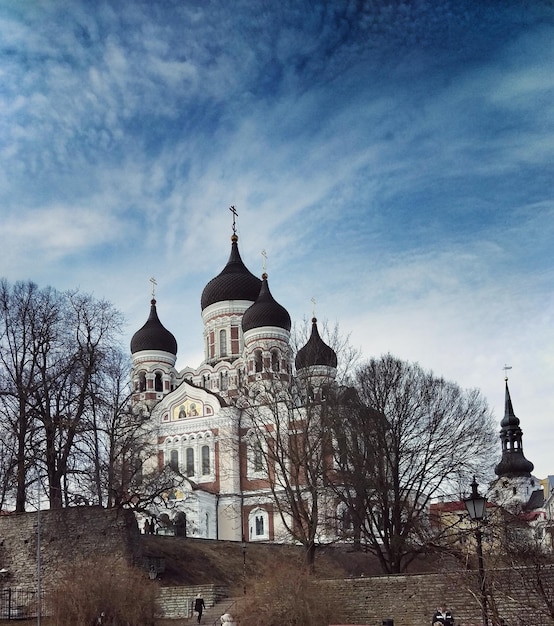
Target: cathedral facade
[(196, 415)]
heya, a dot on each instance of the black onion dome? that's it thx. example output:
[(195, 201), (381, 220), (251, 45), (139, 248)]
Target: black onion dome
[(315, 352), (266, 311), (153, 335), (234, 282), (513, 462)]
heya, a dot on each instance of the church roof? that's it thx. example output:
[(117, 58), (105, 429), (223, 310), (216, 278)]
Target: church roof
[(153, 335), (315, 352), (266, 311), (234, 282), (513, 462)]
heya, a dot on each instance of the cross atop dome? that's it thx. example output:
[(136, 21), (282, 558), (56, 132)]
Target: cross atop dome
[(235, 215)]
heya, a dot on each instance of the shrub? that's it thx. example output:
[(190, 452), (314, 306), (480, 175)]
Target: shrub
[(108, 587), (285, 595)]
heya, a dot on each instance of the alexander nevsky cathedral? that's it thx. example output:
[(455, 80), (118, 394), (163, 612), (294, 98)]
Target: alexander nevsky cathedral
[(197, 417), (196, 414)]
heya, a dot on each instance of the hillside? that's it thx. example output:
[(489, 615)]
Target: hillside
[(202, 561)]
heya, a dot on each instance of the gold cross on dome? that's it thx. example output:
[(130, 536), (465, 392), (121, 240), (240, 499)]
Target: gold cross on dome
[(264, 262), (154, 283), (506, 368)]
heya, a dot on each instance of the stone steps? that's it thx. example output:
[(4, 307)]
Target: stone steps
[(211, 615)]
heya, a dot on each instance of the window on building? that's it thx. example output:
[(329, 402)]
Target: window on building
[(224, 381), (275, 360), (258, 457), (189, 462), (205, 460), (345, 519), (258, 363), (222, 342), (158, 385), (142, 381), (138, 471), (174, 460), (258, 524)]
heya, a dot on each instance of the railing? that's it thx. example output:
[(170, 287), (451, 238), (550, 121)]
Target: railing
[(17, 603)]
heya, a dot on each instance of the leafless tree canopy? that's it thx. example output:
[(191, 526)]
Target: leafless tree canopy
[(404, 437), (60, 377)]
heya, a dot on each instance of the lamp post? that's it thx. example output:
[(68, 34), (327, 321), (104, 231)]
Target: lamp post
[(476, 506), (244, 566)]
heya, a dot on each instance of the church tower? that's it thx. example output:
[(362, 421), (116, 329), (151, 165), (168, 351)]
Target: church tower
[(153, 354), (316, 365), (515, 484), (266, 329)]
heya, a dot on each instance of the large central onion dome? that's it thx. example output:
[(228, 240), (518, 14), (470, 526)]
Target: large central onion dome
[(266, 311), (234, 282), (153, 335), (315, 352)]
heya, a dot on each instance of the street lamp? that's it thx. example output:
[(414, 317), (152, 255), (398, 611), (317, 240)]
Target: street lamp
[(244, 566), (476, 506)]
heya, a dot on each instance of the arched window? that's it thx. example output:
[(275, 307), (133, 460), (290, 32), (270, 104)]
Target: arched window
[(142, 381), (224, 381), (258, 525), (158, 385), (189, 462), (174, 460), (275, 360), (223, 342), (258, 363), (258, 457), (205, 460), (344, 519)]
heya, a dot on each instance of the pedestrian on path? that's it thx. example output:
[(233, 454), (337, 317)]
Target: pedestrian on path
[(199, 606)]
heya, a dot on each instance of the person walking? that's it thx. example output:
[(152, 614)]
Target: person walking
[(199, 606)]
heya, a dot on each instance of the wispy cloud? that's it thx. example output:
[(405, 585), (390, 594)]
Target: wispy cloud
[(394, 160)]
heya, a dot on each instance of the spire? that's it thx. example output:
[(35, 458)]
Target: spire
[(513, 462)]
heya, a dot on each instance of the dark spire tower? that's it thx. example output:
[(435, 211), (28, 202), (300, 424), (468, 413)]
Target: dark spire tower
[(513, 463)]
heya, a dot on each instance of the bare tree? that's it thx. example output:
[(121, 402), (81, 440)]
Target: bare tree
[(26, 314), (285, 433), (285, 440), (53, 346), (403, 438), (519, 567)]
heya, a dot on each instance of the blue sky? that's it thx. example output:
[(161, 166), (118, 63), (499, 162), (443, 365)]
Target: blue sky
[(395, 159)]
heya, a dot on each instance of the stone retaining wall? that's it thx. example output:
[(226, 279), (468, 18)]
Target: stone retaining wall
[(65, 535)]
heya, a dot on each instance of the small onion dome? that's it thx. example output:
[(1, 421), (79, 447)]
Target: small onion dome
[(234, 282), (266, 311), (315, 352), (513, 463), (153, 335)]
